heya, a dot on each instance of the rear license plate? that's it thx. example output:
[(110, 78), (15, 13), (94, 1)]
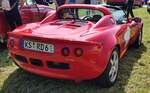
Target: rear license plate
[(38, 46)]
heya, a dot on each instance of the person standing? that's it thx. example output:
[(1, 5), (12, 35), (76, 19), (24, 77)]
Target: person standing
[(129, 8), (12, 14), (59, 3)]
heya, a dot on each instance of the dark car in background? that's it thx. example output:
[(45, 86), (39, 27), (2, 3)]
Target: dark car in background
[(30, 12)]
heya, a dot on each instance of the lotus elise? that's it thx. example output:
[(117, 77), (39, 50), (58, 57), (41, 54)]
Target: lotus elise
[(78, 42)]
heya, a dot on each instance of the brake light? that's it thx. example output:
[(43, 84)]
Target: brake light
[(78, 52), (65, 51)]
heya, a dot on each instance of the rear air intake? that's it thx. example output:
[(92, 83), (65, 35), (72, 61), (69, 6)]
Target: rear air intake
[(36, 62), (21, 59), (57, 65)]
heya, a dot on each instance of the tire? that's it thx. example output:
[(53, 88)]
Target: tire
[(110, 74), (138, 41)]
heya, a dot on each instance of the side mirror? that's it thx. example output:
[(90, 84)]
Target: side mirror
[(137, 19), (133, 23)]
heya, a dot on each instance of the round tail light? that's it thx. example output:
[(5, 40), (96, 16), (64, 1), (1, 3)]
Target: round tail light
[(78, 52), (65, 51)]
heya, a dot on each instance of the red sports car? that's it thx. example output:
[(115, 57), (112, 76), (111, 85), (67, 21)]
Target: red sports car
[(30, 12), (78, 42)]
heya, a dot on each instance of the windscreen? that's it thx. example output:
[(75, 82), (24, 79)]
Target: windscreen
[(80, 14)]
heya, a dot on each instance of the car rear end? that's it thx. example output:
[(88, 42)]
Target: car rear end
[(65, 59)]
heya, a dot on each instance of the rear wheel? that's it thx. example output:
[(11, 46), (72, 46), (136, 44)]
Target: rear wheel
[(110, 74)]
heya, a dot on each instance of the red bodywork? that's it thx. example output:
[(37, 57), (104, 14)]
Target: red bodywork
[(97, 40), (32, 13)]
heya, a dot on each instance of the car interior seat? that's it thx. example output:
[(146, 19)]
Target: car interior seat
[(96, 18)]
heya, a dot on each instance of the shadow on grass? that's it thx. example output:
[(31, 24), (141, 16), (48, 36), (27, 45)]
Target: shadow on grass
[(4, 60), (22, 82), (3, 46)]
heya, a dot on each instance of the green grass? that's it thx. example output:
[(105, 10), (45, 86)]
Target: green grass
[(134, 75)]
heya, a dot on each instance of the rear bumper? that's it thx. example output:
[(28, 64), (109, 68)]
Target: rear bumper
[(88, 66), (73, 68)]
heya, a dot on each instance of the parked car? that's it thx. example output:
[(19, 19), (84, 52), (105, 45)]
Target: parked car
[(78, 42), (123, 2), (30, 12), (138, 3), (148, 6)]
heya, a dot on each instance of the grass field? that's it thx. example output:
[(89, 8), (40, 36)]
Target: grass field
[(134, 75)]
